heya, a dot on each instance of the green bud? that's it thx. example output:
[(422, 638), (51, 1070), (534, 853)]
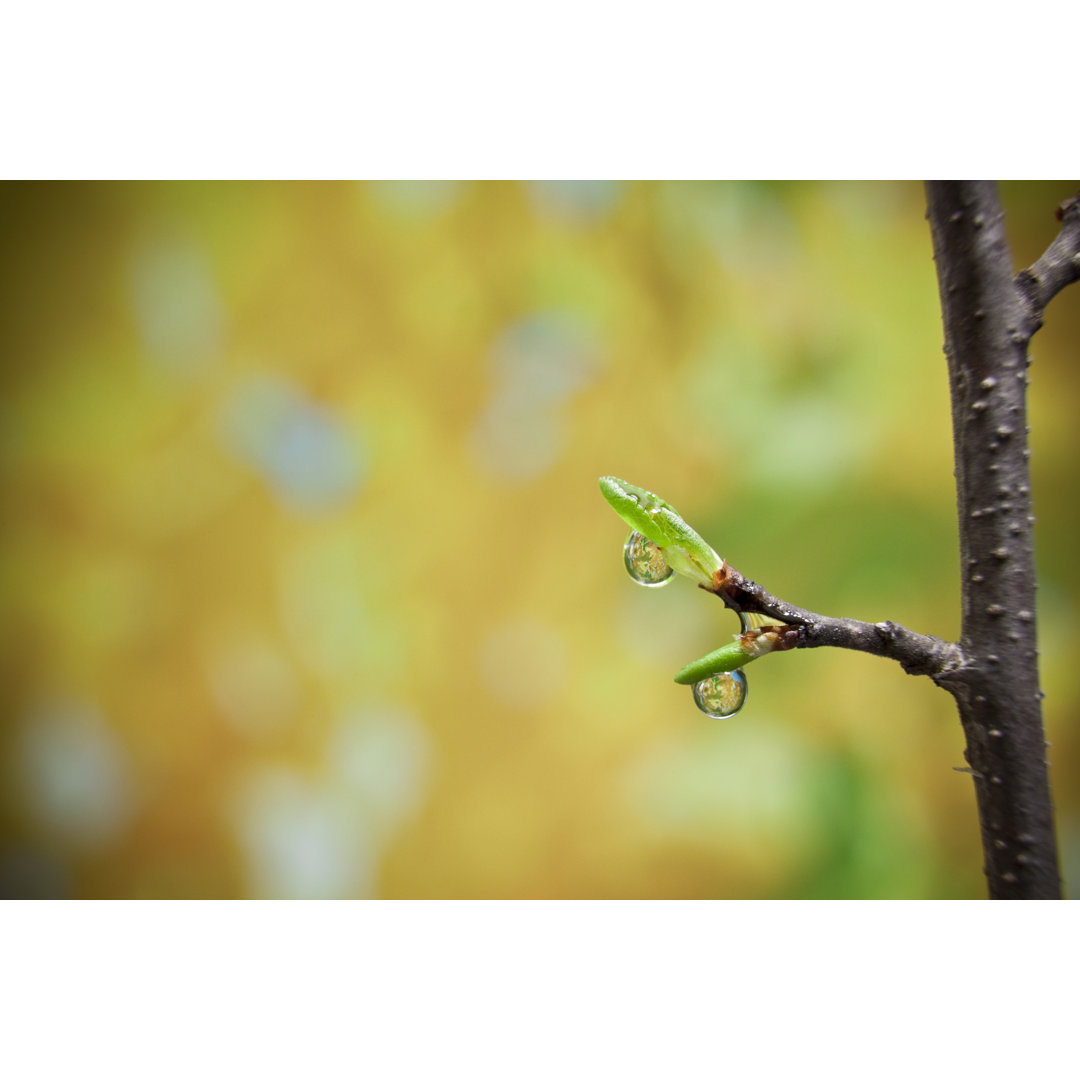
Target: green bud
[(684, 550)]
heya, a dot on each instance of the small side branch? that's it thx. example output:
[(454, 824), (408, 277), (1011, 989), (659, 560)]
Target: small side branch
[(1058, 266), (917, 654)]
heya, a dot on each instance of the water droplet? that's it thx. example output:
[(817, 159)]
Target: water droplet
[(721, 695), (645, 561)]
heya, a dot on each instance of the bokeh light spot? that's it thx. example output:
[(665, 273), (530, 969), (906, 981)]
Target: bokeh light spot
[(539, 363), (177, 306), (252, 683), (379, 756), (306, 454), (75, 774), (414, 198), (523, 662), (300, 840), (575, 201)]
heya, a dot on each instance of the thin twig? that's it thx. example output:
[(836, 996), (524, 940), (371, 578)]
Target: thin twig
[(917, 654)]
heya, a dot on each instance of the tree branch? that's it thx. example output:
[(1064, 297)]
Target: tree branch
[(988, 323), (917, 654), (1058, 266)]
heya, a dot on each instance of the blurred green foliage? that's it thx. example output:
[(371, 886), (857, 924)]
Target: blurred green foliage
[(306, 587)]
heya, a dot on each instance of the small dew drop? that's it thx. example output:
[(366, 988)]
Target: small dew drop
[(988, 383), (1010, 878), (644, 561), (721, 695), (995, 611), (996, 733), (1024, 616)]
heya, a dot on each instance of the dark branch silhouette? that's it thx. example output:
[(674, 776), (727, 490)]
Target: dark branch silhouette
[(918, 654)]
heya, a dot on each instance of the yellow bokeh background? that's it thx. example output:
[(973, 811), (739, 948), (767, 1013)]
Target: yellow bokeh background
[(308, 589)]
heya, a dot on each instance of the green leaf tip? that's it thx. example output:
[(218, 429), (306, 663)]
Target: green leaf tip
[(727, 658), (636, 507), (746, 647), (684, 550)]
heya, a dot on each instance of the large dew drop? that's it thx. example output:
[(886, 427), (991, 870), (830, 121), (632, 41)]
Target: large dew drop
[(645, 561), (721, 695)]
